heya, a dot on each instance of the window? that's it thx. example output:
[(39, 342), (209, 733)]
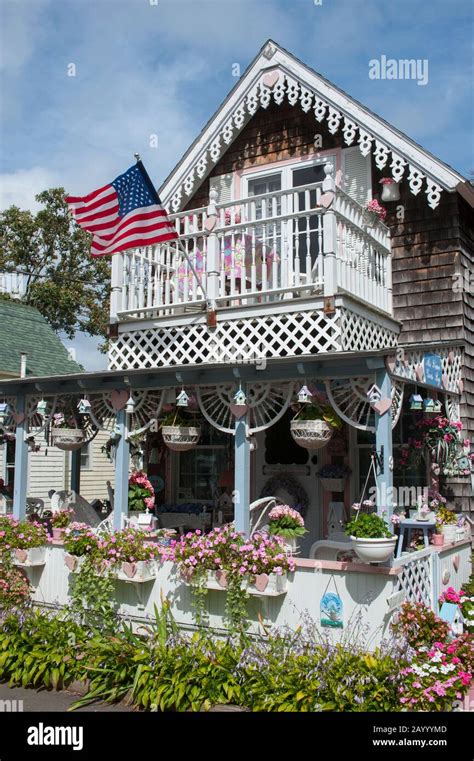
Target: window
[(86, 457), (200, 468)]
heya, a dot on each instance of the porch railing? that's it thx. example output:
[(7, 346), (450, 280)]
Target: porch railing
[(278, 245)]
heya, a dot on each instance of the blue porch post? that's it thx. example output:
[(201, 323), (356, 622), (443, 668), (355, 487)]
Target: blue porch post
[(383, 440), (242, 477), (21, 464), (122, 457)]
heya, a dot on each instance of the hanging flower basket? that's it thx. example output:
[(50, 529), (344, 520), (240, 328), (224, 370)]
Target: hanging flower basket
[(390, 189), (311, 434), (333, 484), (180, 438), (67, 439)]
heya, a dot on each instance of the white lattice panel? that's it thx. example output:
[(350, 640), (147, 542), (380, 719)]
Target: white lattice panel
[(361, 334), (415, 580), (408, 360), (246, 340)]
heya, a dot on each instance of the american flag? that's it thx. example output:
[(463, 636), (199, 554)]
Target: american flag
[(125, 214)]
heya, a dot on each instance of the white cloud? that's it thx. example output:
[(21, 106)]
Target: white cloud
[(20, 187)]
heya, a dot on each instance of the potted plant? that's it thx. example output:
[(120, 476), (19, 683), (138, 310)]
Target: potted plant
[(437, 538), (130, 553), (287, 524), (447, 520), (141, 495), (179, 433), (390, 189), (66, 431), (314, 424), (60, 521), (333, 477), (79, 541), (374, 212), (29, 541), (372, 540)]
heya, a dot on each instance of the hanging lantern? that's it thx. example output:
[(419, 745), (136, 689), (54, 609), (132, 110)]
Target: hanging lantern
[(304, 395), (182, 400), (239, 406), (84, 406), (416, 402), (42, 408), (130, 406), (4, 412)]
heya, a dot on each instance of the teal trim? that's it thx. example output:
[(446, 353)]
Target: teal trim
[(122, 461), (383, 439), (21, 464)]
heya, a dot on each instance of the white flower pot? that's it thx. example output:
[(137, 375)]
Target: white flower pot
[(311, 434), (74, 563), (180, 438), (67, 439), (33, 556), (374, 550), (139, 571), (449, 533), (391, 191), (265, 585), (290, 542), (333, 484)]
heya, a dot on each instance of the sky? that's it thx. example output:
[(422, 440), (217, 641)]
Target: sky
[(86, 84)]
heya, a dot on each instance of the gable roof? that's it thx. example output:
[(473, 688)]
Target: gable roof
[(24, 329), (276, 74)]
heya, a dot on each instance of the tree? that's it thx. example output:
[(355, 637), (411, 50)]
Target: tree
[(63, 281)]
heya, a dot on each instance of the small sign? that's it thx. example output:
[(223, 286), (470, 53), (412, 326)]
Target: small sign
[(433, 370), (331, 611), (394, 601)]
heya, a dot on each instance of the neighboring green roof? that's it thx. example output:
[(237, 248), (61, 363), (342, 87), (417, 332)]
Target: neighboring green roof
[(23, 328)]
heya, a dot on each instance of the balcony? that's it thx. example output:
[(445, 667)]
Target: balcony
[(304, 263)]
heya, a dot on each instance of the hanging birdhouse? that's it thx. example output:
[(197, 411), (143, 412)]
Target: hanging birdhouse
[(182, 400), (452, 614), (84, 406), (239, 405), (416, 402), (130, 406), (42, 408), (304, 395), (431, 407), (4, 412)]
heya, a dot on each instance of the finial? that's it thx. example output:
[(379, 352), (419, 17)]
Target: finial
[(137, 156), (213, 194)]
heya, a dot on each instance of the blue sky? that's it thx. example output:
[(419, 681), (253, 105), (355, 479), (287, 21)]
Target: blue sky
[(162, 67)]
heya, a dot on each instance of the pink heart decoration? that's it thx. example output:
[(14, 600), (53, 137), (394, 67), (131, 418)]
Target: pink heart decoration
[(326, 199), (461, 386), (221, 578), (451, 357), (419, 372), (71, 561), (129, 569), (210, 223), (21, 555), (391, 363), (444, 381), (238, 410), (382, 406), (18, 417), (119, 399), (271, 78), (456, 562), (261, 582)]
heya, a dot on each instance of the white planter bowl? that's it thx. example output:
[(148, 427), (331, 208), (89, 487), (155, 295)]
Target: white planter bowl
[(180, 438), (311, 434), (390, 191), (67, 439), (449, 533), (374, 550), (333, 484)]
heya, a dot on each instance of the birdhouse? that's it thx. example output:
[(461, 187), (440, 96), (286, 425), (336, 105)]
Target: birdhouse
[(130, 406), (4, 412), (84, 406), (451, 613), (239, 405), (431, 407), (416, 402), (182, 400), (304, 395), (239, 397), (42, 408)]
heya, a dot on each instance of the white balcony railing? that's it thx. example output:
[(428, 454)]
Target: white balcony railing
[(278, 245)]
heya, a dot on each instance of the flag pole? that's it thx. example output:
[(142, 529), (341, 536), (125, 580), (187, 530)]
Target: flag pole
[(156, 198)]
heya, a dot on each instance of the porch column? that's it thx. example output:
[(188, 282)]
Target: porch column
[(329, 237), (117, 265), (383, 439), (212, 261), (75, 483), (242, 477), (21, 463), (122, 457)]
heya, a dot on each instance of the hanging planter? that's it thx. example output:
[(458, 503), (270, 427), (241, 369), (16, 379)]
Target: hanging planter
[(390, 189), (67, 439), (262, 585), (32, 556), (138, 571), (373, 212), (180, 438), (316, 425)]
